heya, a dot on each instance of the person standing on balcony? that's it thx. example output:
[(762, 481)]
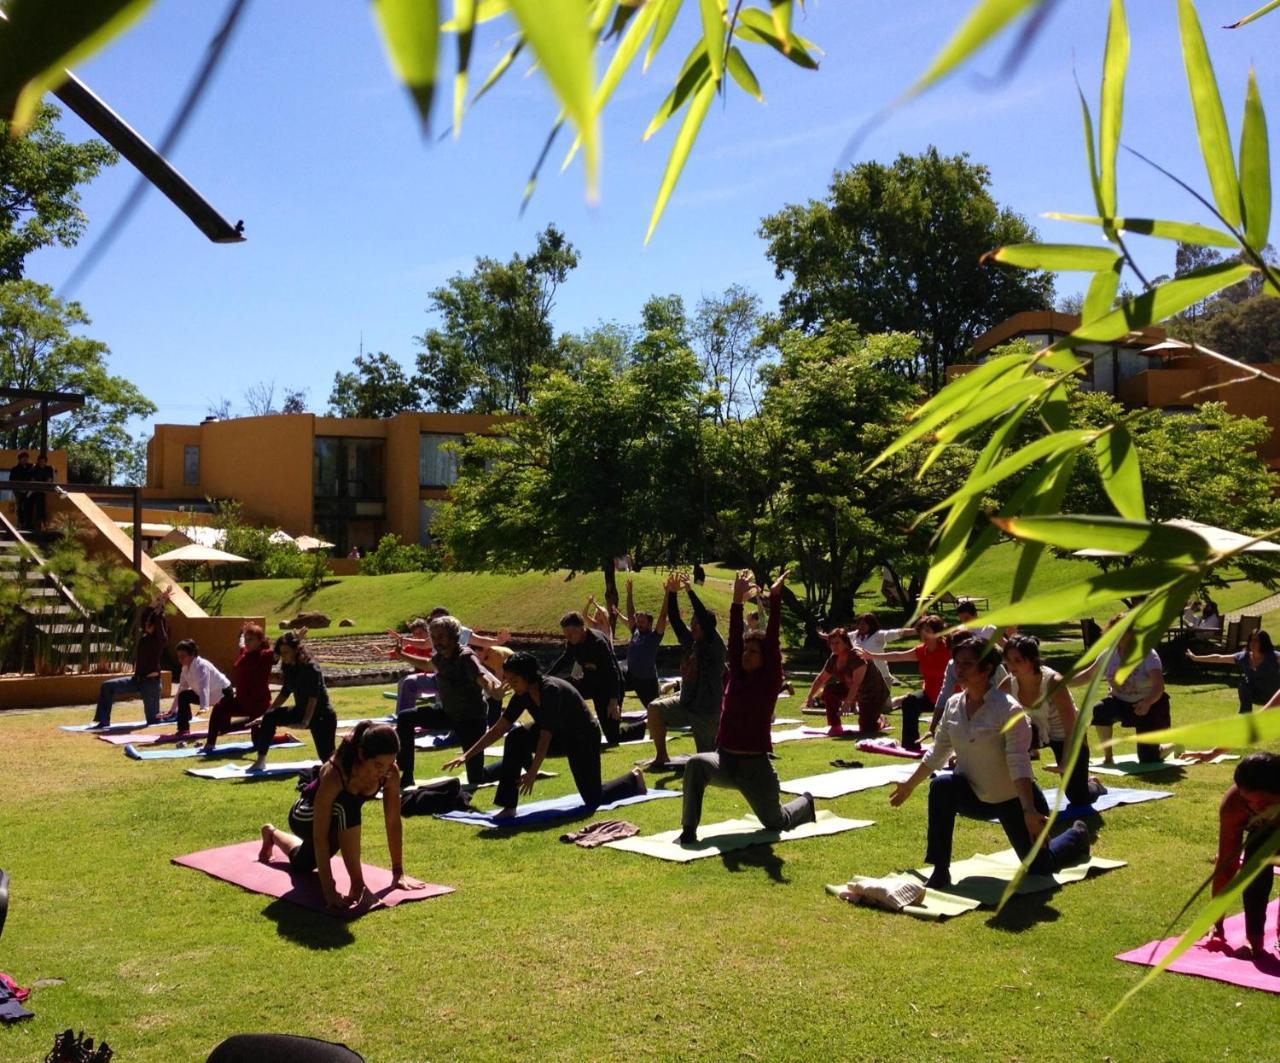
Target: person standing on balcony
[(21, 474), (148, 662), (41, 473)]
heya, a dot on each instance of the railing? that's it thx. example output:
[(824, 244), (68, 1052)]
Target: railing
[(134, 494), (62, 588)]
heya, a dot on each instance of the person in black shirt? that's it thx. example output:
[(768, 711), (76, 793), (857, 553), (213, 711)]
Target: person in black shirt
[(560, 715), (601, 683), (304, 680), (41, 472), (23, 472)]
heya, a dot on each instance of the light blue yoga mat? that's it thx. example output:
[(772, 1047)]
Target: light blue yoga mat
[(228, 749), (553, 808), (346, 725), (279, 770), (1113, 798), (113, 729)]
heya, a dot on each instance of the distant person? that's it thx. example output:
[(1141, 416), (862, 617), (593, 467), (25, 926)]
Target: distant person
[(867, 634), (1259, 667), (200, 685), (933, 657), (302, 680), (847, 680), (416, 649), (22, 473), (642, 650), (699, 574), (354, 554), (591, 652), (41, 473), (250, 693), (148, 665)]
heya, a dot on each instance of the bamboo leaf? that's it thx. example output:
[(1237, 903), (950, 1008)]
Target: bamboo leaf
[(1182, 231), (780, 12), (464, 18), (985, 21), (980, 412), (1091, 151), (1079, 598), (742, 73), (1111, 113), (1157, 542), (666, 17), (1057, 257), (500, 68), (1238, 731), (1255, 169), (693, 119), (1211, 120), (1046, 498), (1265, 9), (41, 38), (486, 11), (1121, 473), (755, 26), (1101, 296), (713, 35), (695, 69)]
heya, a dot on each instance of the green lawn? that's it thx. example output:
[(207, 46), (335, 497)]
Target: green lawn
[(551, 952)]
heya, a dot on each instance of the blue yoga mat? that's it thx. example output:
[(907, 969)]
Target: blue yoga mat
[(227, 749), (553, 808), (1113, 798)]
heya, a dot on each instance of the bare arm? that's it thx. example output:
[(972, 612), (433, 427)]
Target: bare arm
[(395, 831), (1211, 658), (349, 846), (322, 811), (539, 755), (661, 626), (483, 642), (888, 655), (631, 608), (500, 727)]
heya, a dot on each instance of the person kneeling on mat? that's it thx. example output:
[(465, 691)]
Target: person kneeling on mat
[(200, 686), (325, 820), (1248, 819), (743, 742), (560, 715), (303, 680), (990, 736)]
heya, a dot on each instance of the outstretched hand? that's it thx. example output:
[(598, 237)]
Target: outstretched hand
[(777, 584), (901, 791), (742, 583), (454, 764)]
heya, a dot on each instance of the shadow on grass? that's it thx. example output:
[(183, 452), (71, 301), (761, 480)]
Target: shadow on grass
[(1024, 912), (756, 856), (311, 929)]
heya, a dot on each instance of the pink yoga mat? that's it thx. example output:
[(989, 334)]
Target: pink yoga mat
[(151, 740), (1217, 965), (239, 865), (889, 748)]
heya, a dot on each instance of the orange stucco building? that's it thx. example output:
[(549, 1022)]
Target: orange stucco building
[(1175, 378), (346, 480)]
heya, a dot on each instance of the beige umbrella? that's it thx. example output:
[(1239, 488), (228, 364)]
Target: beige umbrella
[(310, 542), (199, 555), (1219, 539)]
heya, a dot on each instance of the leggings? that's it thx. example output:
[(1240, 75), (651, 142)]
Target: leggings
[(1258, 892), (324, 729), (468, 733), (228, 708), (1080, 791), (752, 776), (186, 700), (913, 707), (583, 753)]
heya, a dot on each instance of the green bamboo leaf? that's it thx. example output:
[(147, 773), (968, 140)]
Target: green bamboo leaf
[(742, 73), (1121, 473), (666, 17), (696, 68), (1157, 542), (980, 412), (464, 19), (486, 11), (1101, 296), (499, 68), (1111, 113), (1086, 595), (693, 119), (1255, 169), (713, 35), (1238, 731), (1047, 498), (985, 21), (1211, 120), (1183, 231), (1090, 151), (780, 13), (1163, 302), (1153, 617), (1265, 9), (1056, 257), (41, 38), (563, 43), (756, 26)]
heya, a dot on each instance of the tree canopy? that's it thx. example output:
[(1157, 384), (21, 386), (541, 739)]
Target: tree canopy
[(377, 387)]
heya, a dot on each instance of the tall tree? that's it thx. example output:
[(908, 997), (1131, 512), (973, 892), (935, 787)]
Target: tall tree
[(40, 175), (726, 332), (495, 337), (40, 349), (898, 249), (378, 387), (1248, 331)]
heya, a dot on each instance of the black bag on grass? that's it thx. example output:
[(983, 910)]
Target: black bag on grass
[(445, 795)]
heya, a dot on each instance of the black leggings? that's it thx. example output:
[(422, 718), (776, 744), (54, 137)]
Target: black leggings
[(431, 718), (324, 729), (1258, 892), (913, 707), (583, 753), (1079, 790)]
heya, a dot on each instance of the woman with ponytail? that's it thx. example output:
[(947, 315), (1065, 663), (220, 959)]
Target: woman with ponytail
[(325, 820)]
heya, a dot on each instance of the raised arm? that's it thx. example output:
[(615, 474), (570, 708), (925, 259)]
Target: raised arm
[(741, 584), (1211, 658), (631, 608), (483, 642), (773, 631), (673, 611), (887, 655), (660, 626)]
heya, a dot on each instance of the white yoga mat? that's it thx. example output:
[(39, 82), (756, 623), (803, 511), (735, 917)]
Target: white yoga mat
[(833, 784), (717, 838)]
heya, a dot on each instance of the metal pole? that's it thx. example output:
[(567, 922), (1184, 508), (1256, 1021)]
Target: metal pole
[(137, 530)]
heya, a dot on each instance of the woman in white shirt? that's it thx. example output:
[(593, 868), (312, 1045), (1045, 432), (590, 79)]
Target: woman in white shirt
[(990, 737), (199, 684), (1140, 702)]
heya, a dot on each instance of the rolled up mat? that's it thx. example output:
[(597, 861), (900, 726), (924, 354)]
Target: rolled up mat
[(227, 749), (273, 770), (887, 747), (717, 838), (553, 808)]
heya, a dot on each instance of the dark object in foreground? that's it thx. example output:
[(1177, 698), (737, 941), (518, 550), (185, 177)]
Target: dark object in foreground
[(280, 1048), (71, 1047)]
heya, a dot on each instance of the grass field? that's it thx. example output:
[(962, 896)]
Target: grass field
[(547, 951)]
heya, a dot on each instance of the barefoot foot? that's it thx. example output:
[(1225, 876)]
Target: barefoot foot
[(268, 843), (638, 775)]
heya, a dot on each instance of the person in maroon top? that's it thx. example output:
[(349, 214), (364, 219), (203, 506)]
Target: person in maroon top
[(250, 693), (1248, 819), (741, 757), (847, 680), (148, 663)]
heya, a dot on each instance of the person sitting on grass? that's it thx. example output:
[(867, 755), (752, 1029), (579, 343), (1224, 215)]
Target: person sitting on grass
[(1248, 819), (990, 737), (200, 684), (303, 680), (1045, 696), (249, 695), (1140, 702), (148, 663), (932, 655), (562, 724), (1259, 666), (325, 820), (743, 739), (847, 680), (642, 650)]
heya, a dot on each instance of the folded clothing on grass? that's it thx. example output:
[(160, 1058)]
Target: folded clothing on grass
[(717, 838), (893, 894), (553, 808), (593, 835)]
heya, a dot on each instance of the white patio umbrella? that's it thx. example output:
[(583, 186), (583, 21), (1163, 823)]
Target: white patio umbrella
[(1219, 539), (280, 537), (195, 554), (310, 542)]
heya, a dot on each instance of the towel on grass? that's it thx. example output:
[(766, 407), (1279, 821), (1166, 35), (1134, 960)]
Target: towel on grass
[(717, 838), (893, 894), (593, 835)]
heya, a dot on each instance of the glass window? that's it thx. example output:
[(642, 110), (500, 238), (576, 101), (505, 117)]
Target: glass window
[(348, 468), (190, 465), (437, 467)]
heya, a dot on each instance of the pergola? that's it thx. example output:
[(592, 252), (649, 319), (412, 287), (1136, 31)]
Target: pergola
[(20, 408)]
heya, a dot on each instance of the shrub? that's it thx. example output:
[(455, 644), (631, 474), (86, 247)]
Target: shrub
[(392, 555)]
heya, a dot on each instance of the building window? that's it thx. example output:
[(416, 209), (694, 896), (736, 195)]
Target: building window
[(348, 468), (437, 467), (190, 465)]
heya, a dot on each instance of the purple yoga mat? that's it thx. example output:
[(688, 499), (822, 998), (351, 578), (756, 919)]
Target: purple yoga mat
[(1219, 966), (239, 865)]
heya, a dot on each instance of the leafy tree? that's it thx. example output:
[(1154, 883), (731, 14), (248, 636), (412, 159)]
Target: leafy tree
[(40, 349), (1248, 331), (726, 332), (295, 400), (898, 248), (495, 336), (608, 340), (378, 387), (40, 175)]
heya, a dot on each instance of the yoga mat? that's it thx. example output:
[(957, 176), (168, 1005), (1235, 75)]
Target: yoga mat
[(1129, 764), (227, 749), (553, 808), (279, 770), (1221, 967), (785, 721), (672, 735), (981, 881), (435, 740), (151, 740), (115, 728), (1113, 798), (796, 734), (718, 838), (348, 724), (887, 747), (832, 784), (239, 865)]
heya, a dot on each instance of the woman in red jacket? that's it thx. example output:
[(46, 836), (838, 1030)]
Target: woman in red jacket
[(250, 693)]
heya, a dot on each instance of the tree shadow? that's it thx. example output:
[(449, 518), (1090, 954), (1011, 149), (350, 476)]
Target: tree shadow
[(322, 933), (757, 856), (1024, 912)]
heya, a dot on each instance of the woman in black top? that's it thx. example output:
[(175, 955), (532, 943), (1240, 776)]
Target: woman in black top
[(559, 715), (304, 680), (326, 819), (1259, 670)]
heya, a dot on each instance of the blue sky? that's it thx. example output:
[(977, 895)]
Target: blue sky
[(352, 217)]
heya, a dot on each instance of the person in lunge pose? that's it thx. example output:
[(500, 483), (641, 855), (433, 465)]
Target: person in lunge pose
[(990, 737), (462, 685), (249, 695), (200, 685), (642, 650), (1259, 666), (933, 656), (416, 648), (601, 681), (741, 757), (148, 662), (697, 705), (1248, 819), (1140, 702), (1045, 696), (847, 680), (303, 680), (325, 820), (562, 725)]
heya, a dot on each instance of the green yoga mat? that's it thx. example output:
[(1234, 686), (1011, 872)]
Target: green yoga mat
[(717, 838), (980, 882), (1129, 764)]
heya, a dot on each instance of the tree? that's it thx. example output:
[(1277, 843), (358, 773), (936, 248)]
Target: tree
[(219, 409), (898, 249), (378, 387), (40, 175), (1248, 331), (496, 335), (39, 350), (726, 331), (260, 398), (295, 400)]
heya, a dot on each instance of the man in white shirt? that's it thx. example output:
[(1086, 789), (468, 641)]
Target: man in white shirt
[(199, 684), (992, 777)]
